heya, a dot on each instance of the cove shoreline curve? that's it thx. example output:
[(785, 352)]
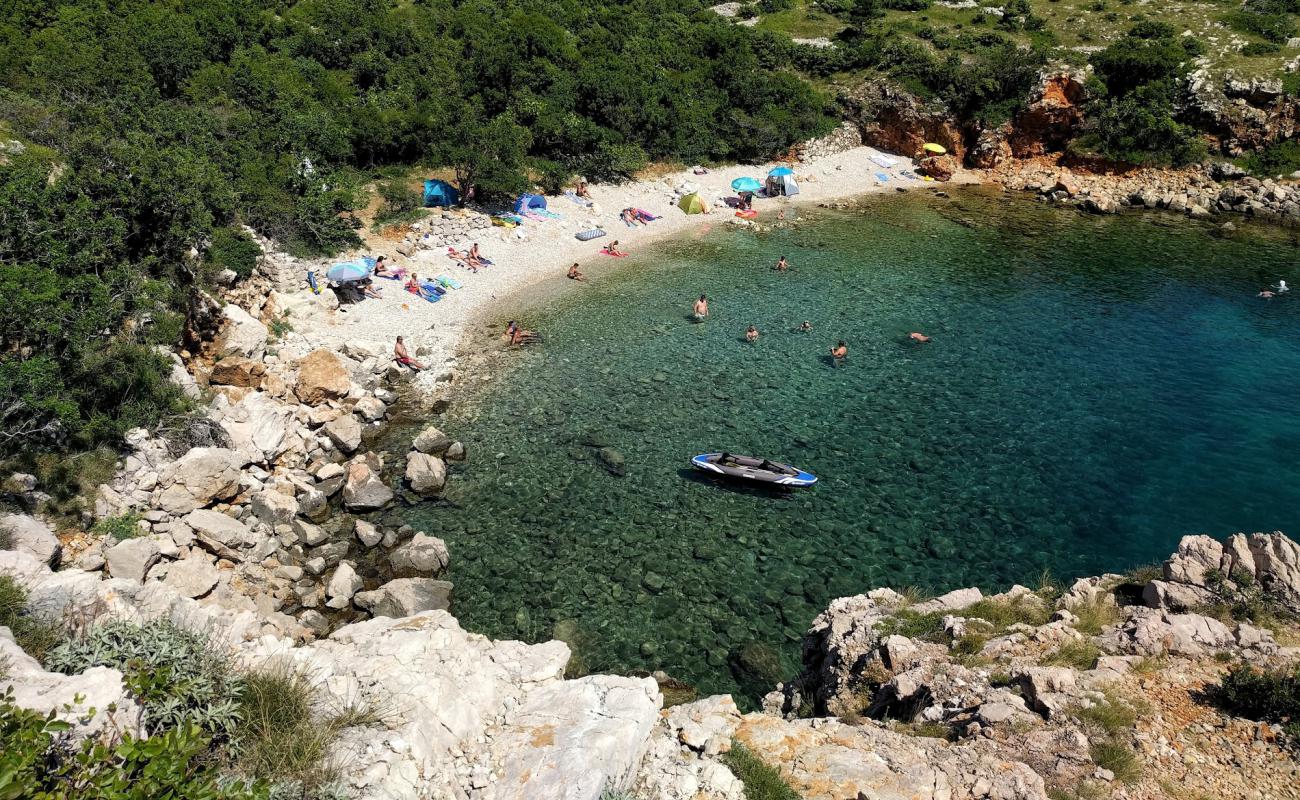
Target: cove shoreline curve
[(438, 332)]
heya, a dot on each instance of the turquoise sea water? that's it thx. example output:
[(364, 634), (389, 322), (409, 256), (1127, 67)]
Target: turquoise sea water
[(1095, 389)]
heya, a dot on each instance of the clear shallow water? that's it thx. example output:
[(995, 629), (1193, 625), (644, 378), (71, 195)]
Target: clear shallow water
[(1096, 388)]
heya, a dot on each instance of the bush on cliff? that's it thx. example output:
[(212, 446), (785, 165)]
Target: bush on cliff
[(1139, 77), (39, 761), (762, 781), (178, 676), (1264, 695), (35, 634)]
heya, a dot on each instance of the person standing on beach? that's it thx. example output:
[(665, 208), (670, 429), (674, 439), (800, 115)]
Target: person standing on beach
[(840, 352), (701, 309)]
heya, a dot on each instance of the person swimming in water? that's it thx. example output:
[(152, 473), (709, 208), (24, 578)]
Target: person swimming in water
[(782, 265), (751, 334), (1266, 294), (1282, 287), (918, 337), (806, 327), (840, 352), (700, 309)]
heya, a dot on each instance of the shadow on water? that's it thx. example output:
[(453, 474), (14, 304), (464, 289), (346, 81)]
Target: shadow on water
[(736, 486)]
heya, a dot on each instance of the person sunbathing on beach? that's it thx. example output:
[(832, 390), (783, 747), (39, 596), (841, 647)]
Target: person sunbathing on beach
[(629, 218), (840, 352), (404, 358), (475, 258), (612, 249), (517, 336), (368, 290), (574, 274), (414, 286), (751, 334), (701, 308), (581, 190), (918, 337), (460, 258)]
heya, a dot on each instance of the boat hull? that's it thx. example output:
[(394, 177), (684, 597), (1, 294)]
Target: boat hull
[(746, 468)]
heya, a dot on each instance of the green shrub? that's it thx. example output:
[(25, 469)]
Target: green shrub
[(231, 248), (1119, 758), (1095, 615), (773, 6), (119, 528), (1111, 717), (1081, 655), (39, 762), (1261, 49), (34, 634), (762, 781), (1274, 27), (905, 622), (1025, 610), (400, 202), (284, 737), (178, 676), (1264, 695), (1281, 158)]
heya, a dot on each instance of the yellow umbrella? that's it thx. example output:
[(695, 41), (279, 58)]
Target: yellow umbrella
[(931, 147)]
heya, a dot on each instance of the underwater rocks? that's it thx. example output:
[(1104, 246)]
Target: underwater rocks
[(612, 460)]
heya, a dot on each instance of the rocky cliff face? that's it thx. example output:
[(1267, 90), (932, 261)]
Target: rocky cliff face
[(892, 119), (1241, 115)]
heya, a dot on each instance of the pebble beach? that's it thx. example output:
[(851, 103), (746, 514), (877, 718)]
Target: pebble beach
[(542, 250)]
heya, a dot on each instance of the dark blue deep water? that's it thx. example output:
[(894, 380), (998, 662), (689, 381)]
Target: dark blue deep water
[(1096, 388)]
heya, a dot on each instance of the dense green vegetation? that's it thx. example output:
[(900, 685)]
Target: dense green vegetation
[(1138, 85), (1266, 695), (154, 128), (762, 781), (38, 762)]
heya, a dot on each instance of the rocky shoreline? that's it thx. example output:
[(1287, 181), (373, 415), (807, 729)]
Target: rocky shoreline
[(1104, 686), (272, 530), (270, 520)]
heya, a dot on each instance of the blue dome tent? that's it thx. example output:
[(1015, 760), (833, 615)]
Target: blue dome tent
[(529, 201), (439, 193)]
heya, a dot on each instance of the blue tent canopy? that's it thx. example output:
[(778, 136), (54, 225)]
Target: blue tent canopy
[(439, 193), (527, 201)]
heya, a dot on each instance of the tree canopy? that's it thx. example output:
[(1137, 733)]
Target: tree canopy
[(155, 128)]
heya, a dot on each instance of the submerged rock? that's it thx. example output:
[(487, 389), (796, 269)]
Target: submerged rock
[(612, 460)]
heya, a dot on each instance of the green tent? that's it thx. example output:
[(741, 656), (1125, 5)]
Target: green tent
[(691, 204)]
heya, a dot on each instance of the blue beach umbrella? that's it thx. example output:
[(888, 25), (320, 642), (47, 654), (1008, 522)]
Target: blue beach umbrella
[(746, 184), (779, 171), (347, 271)]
